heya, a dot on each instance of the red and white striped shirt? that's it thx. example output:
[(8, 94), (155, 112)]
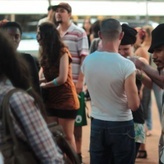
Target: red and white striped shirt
[(75, 39)]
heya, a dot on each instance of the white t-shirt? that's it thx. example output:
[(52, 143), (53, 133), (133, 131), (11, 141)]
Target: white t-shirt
[(105, 74)]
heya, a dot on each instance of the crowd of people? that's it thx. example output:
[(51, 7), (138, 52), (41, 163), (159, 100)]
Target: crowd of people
[(115, 64)]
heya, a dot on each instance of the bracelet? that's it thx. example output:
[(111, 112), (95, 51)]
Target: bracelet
[(140, 77), (55, 82)]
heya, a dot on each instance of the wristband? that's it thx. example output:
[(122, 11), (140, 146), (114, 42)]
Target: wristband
[(55, 82), (140, 77)]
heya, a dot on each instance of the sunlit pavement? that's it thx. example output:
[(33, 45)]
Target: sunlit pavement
[(151, 141)]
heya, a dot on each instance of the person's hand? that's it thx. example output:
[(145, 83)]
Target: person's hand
[(136, 60), (43, 85), (79, 87), (132, 58), (41, 80), (3, 22)]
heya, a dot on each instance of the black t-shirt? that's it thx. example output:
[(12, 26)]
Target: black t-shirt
[(32, 63), (138, 115)]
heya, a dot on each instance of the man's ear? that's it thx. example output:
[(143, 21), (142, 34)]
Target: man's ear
[(100, 34), (70, 15), (121, 35)]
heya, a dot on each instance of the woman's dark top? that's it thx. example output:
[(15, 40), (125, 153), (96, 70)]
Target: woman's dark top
[(138, 115), (32, 64), (63, 96)]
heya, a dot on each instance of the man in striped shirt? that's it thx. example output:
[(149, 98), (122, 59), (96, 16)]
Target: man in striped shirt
[(76, 40)]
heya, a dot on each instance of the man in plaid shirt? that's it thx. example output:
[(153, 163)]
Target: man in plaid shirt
[(35, 128)]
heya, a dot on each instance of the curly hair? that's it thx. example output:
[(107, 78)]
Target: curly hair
[(51, 43), (9, 24)]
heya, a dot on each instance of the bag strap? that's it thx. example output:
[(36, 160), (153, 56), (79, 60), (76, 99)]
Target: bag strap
[(6, 117)]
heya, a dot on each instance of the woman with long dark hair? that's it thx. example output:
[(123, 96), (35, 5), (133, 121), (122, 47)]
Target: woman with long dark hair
[(61, 98), (29, 125)]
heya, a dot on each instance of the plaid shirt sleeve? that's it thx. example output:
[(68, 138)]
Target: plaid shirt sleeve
[(35, 129)]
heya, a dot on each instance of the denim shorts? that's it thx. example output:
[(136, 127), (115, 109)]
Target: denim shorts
[(112, 142)]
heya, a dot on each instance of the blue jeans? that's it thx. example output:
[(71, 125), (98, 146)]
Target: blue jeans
[(112, 142), (149, 121), (158, 96), (148, 104)]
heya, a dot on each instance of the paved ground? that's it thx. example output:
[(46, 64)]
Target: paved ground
[(151, 142)]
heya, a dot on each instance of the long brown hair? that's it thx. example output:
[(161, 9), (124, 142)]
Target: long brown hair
[(52, 44)]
